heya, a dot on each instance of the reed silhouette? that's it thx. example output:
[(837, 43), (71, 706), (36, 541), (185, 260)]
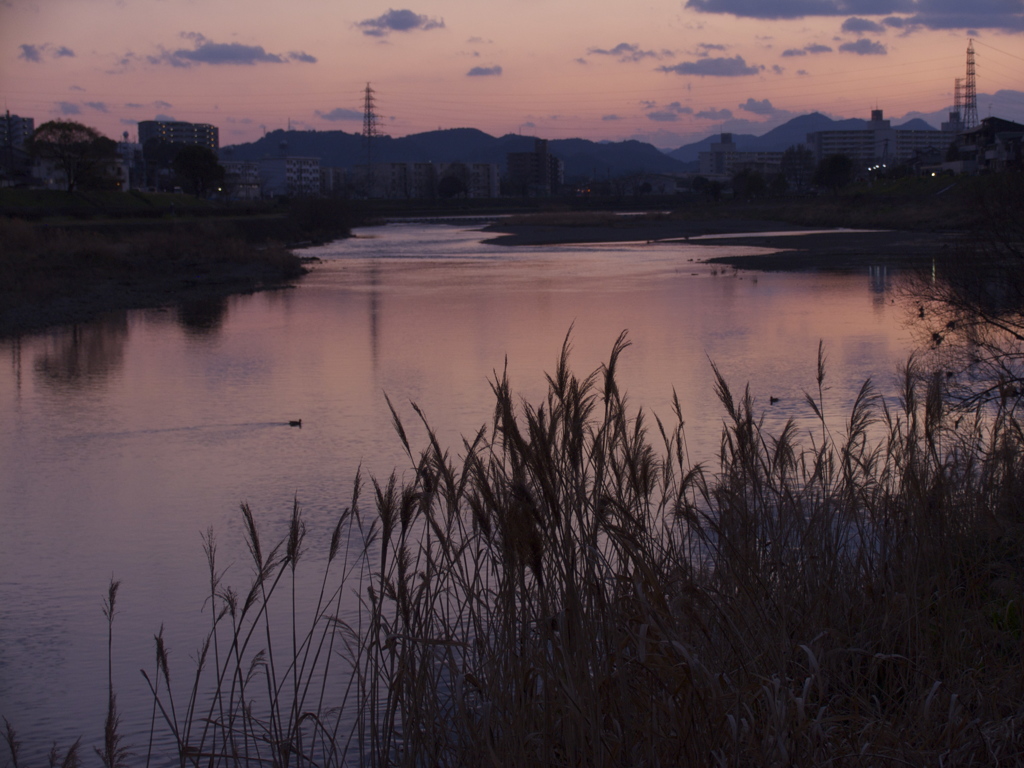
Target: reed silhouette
[(571, 588)]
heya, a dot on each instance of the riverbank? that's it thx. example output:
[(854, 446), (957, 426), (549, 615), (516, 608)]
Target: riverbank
[(53, 276), (796, 247), (69, 258), (901, 223)]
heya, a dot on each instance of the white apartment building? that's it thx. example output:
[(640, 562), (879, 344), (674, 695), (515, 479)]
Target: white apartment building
[(724, 160), (291, 176), (878, 143)]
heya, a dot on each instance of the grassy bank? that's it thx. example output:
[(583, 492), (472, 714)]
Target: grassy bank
[(574, 589)]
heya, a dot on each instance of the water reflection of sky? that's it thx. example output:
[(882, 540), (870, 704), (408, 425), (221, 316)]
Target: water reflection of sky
[(125, 438)]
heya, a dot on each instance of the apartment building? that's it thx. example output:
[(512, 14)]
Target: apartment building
[(200, 134), (879, 142), (723, 159), (535, 174), (290, 176), (241, 179), (15, 131)]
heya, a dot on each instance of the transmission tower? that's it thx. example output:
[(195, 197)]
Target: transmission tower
[(369, 134), (369, 123), (970, 92)]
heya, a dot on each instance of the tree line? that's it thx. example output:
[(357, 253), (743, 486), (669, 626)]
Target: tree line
[(87, 159)]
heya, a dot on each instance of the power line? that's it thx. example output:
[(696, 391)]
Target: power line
[(1012, 56)]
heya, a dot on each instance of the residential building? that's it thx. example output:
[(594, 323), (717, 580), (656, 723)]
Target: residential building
[(241, 179), (200, 134), (289, 176), (995, 145), (535, 174), (641, 184), (335, 182), (723, 159), (15, 131), (15, 163), (401, 181), (133, 165), (484, 180), (877, 144), (418, 181), (955, 124)]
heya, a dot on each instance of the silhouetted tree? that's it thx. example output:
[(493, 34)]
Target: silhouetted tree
[(748, 184), (81, 152), (778, 185), (834, 172), (451, 186), (455, 182), (198, 169), (704, 186), (969, 306), (798, 166)]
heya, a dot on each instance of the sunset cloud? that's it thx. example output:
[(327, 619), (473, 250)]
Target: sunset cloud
[(714, 67), (1007, 15), (762, 107), (484, 71), (813, 48), (626, 52), (340, 114), (398, 21), (864, 47), (205, 51), (714, 114), (669, 113), (35, 53), (858, 25)]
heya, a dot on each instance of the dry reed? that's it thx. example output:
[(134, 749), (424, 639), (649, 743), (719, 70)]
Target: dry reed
[(572, 589)]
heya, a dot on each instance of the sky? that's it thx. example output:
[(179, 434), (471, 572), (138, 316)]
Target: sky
[(663, 71)]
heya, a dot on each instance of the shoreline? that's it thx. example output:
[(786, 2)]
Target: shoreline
[(110, 295), (51, 278), (70, 288), (797, 248)]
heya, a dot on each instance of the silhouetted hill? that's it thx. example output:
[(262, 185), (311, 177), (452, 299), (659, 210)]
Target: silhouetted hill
[(583, 159), (786, 135)]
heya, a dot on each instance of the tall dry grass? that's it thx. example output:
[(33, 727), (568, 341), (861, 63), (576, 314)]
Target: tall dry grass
[(570, 588)]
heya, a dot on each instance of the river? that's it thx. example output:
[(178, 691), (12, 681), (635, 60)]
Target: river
[(124, 439)]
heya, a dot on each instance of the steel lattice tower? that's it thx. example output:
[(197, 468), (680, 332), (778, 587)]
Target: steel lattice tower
[(369, 123), (970, 92), (369, 134)]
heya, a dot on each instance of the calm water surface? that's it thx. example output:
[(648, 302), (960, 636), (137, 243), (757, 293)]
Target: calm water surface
[(124, 439)]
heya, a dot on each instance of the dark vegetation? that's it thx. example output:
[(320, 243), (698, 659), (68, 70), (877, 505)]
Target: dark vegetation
[(574, 589), (81, 153), (68, 257), (970, 307)]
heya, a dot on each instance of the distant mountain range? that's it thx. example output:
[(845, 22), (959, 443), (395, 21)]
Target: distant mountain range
[(786, 135), (583, 159)]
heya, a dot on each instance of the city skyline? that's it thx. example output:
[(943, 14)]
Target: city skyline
[(667, 72)]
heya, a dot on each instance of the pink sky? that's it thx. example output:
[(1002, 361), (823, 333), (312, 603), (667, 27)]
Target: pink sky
[(664, 71)]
